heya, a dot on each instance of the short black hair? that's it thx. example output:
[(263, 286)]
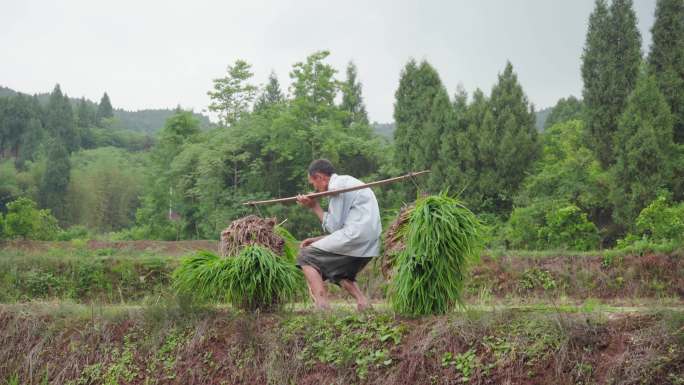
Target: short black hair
[(321, 165)]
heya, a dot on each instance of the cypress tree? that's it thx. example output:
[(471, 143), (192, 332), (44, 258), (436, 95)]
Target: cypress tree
[(666, 58), (55, 180), (510, 145), (352, 100), (449, 168), (421, 111), (644, 149), (85, 114), (596, 63), (104, 109), (271, 94), (59, 120), (610, 67)]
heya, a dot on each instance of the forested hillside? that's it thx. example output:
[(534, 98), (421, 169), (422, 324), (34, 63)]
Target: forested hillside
[(598, 171)]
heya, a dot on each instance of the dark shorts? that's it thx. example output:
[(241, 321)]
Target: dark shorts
[(333, 267)]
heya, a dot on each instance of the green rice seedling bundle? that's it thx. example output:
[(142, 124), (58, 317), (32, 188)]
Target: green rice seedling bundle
[(441, 239), (256, 278), (256, 269)]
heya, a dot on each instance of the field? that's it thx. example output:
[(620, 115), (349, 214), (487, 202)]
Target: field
[(103, 313)]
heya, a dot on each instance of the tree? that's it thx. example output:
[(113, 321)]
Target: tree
[(667, 58), (271, 95), (352, 100), (644, 151), (53, 186), (85, 114), (508, 146), (566, 109), (59, 120), (104, 110), (232, 95), (314, 89), (422, 112), (610, 66)]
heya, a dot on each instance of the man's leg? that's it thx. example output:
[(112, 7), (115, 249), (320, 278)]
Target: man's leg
[(353, 289), (316, 287)]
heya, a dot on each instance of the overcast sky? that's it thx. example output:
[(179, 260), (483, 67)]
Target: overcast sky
[(158, 54)]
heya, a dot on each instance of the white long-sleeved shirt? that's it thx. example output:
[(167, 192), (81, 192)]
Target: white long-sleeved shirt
[(352, 219)]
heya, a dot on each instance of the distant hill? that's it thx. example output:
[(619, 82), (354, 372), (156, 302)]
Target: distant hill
[(150, 121), (541, 116), (385, 130), (147, 121)]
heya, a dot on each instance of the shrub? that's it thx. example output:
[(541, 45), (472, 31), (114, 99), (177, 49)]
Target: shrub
[(660, 221), (551, 225), (26, 221)]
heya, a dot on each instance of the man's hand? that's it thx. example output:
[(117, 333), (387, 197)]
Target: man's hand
[(305, 201), (312, 204), (309, 241)]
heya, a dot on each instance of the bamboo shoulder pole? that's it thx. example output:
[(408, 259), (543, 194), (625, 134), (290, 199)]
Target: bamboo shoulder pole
[(334, 192)]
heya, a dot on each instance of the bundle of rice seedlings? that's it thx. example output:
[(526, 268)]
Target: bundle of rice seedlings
[(256, 278), (259, 279), (441, 239), (199, 276), (250, 230)]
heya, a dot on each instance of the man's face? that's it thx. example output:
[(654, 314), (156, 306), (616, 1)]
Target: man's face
[(319, 181)]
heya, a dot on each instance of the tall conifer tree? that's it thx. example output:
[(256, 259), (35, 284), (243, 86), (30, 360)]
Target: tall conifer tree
[(421, 113), (271, 94), (59, 120), (610, 67), (55, 180), (644, 149), (667, 58), (352, 100), (104, 109)]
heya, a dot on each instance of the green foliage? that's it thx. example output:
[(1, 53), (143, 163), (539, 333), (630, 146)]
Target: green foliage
[(644, 152), (551, 225), (352, 100), (104, 109), (104, 189), (666, 58), (566, 109), (55, 180), (270, 96), (26, 221), (442, 239), (465, 363), (422, 112), (661, 221), (59, 120), (610, 67), (253, 279), (568, 228), (362, 342), (489, 146), (232, 95)]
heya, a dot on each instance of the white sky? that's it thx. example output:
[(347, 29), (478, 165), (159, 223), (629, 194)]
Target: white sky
[(158, 54)]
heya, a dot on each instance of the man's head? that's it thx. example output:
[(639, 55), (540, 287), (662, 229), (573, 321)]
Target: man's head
[(320, 171)]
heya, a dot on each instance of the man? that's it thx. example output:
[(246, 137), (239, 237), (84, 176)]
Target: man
[(353, 221)]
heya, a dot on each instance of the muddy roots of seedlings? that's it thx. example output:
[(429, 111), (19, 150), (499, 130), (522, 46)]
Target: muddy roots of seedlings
[(251, 230)]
